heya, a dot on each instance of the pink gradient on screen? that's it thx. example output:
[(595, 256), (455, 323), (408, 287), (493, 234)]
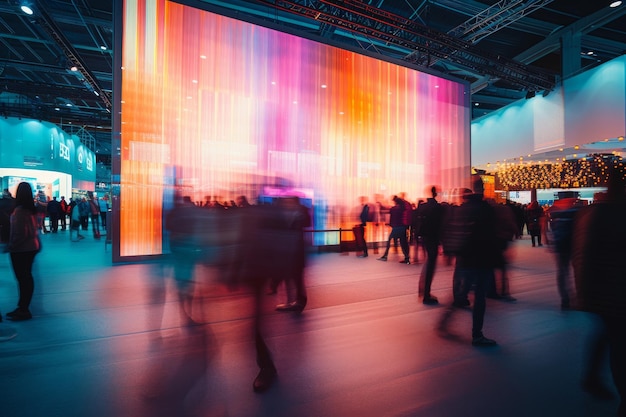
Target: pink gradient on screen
[(231, 105)]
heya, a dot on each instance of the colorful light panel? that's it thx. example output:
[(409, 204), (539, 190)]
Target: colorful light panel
[(222, 107)]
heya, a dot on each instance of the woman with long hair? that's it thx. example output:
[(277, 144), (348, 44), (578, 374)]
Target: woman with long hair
[(23, 245)]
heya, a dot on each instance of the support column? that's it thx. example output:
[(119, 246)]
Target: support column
[(570, 53)]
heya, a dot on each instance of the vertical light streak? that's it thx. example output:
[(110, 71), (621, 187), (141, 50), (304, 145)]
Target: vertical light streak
[(229, 103)]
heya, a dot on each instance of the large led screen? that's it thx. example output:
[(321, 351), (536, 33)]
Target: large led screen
[(217, 108)]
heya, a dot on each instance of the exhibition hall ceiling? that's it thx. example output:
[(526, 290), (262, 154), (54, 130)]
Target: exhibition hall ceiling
[(57, 63)]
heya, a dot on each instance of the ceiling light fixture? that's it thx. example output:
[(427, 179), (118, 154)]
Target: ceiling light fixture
[(616, 4), (26, 8)]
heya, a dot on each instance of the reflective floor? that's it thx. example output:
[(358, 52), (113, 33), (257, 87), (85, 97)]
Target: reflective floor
[(108, 341)]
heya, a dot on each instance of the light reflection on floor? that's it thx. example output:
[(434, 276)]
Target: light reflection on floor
[(107, 341)]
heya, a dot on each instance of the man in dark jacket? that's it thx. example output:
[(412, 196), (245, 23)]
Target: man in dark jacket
[(430, 216), (54, 214), (598, 247), (476, 256)]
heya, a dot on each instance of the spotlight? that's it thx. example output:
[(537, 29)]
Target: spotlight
[(530, 94), (26, 7)]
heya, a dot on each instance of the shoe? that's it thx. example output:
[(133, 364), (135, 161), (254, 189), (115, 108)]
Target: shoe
[(19, 315), (293, 306), (483, 341), (264, 379), (80, 237), (461, 303), (508, 298), (362, 256), (406, 261), (382, 258), (430, 300)]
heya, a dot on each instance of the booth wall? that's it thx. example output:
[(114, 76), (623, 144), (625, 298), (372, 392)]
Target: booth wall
[(42, 146), (587, 108)]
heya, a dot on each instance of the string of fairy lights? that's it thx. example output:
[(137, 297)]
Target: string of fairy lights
[(590, 171)]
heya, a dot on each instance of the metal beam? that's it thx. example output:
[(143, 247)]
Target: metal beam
[(361, 18), (585, 25), (50, 27), (496, 17)]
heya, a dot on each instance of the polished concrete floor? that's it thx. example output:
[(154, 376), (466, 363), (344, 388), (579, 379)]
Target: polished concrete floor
[(107, 341)]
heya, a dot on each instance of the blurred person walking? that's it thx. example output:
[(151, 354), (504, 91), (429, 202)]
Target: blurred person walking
[(430, 215), (397, 215), (64, 212), (23, 246), (295, 217), (561, 216), (75, 221), (598, 245), (359, 230), (94, 210), (41, 204), (7, 204), (476, 255), (506, 230), (54, 214), (534, 220)]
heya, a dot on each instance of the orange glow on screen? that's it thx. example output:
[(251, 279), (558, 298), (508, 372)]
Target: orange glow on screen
[(219, 106)]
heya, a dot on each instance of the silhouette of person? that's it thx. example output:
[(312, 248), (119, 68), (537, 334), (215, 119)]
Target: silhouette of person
[(295, 217), (562, 215), (476, 257), (398, 229), (430, 214), (598, 246), (359, 230), (534, 220), (24, 244)]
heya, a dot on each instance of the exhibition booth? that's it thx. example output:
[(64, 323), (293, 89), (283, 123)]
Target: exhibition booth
[(45, 156)]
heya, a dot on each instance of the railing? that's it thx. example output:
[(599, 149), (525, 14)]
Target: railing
[(341, 246)]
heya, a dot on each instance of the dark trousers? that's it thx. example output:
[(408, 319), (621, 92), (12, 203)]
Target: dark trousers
[(398, 232), (54, 222), (359, 239), (537, 236), (431, 246), (563, 260), (95, 222), (22, 263), (478, 278), (617, 358)]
